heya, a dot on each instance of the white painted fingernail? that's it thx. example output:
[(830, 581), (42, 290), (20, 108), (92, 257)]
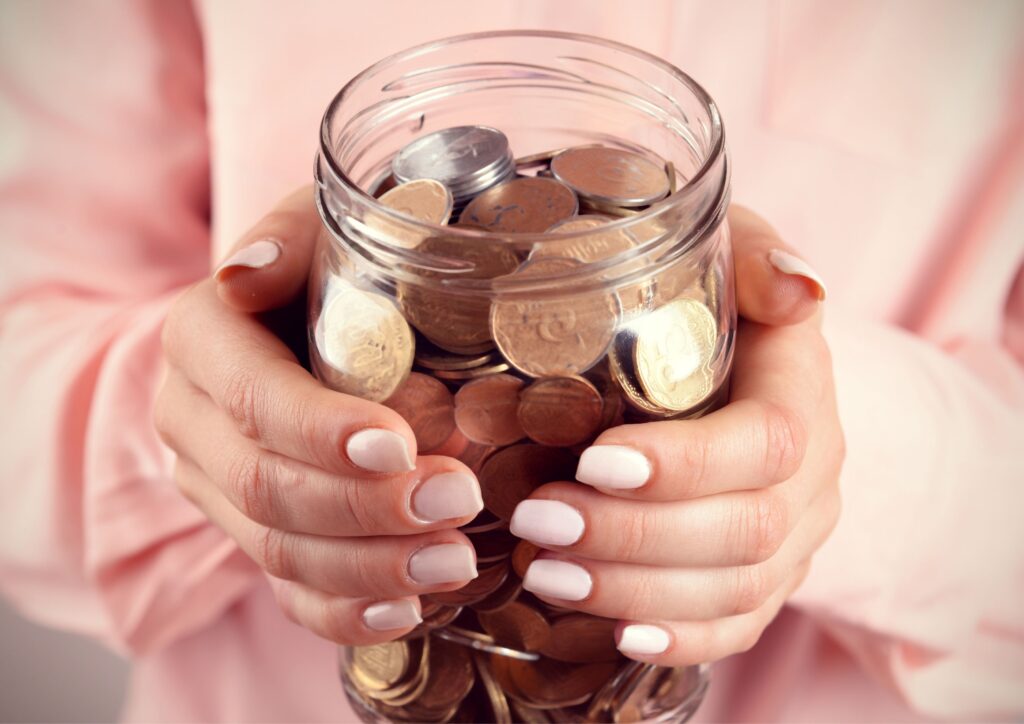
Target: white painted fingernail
[(789, 264), (613, 466), (254, 256), (643, 639), (445, 563), (549, 522), (381, 451), (558, 579), (388, 615), (447, 495)]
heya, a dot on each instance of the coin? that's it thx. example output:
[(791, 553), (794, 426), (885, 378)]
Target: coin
[(423, 200), (466, 159), (548, 683), (502, 597), (554, 336), (523, 555), (605, 696), (438, 359), (416, 679), (472, 374), (611, 175), (560, 411), (673, 353), (517, 626), (629, 703), (450, 677), (495, 696), (365, 343), (475, 455), (526, 205), (581, 638), (536, 159), (428, 407), (623, 371), (379, 667), (596, 246), (511, 474), (488, 581), (486, 410), (492, 545)]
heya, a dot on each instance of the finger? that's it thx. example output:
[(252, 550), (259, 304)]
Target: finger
[(731, 529), (268, 267), (773, 284), (385, 567), (685, 643), (346, 621), (279, 492), (252, 375), (649, 593), (759, 439)]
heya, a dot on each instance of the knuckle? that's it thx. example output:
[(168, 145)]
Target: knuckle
[(361, 508), (752, 588), (243, 401), (785, 440), (644, 590), (695, 453), (765, 526), (628, 541), (271, 553), (249, 481)]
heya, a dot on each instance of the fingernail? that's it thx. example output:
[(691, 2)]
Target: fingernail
[(789, 264), (558, 579), (254, 256), (643, 639), (381, 451), (551, 522), (447, 495), (388, 615), (613, 466), (445, 563)]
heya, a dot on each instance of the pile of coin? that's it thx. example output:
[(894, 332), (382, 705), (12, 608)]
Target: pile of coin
[(515, 385)]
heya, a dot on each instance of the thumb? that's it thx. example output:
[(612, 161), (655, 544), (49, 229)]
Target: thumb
[(773, 284), (268, 267)]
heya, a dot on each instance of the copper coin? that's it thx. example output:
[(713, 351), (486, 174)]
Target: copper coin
[(511, 474), (560, 411), (517, 626), (475, 455), (611, 175), (526, 205), (487, 582), (492, 545), (523, 555), (548, 683), (595, 246), (495, 695), (486, 410), (428, 407), (553, 336), (450, 678), (437, 359), (504, 596), (484, 521), (472, 374), (455, 323), (582, 638)]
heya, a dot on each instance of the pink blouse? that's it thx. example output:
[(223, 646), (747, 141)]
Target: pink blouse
[(884, 140)]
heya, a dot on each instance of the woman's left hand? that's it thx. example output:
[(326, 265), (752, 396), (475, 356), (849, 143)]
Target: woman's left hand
[(695, 532)]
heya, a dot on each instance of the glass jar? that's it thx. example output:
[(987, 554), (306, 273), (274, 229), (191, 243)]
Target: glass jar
[(563, 333)]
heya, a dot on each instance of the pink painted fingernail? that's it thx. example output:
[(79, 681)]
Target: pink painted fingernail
[(444, 563), (613, 466), (447, 495), (789, 264), (381, 451), (558, 579), (388, 615), (254, 256), (548, 522), (643, 639)]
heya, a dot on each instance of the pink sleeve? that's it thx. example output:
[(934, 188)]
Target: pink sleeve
[(923, 577), (104, 217)]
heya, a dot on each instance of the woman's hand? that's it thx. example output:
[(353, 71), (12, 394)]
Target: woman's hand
[(695, 532), (324, 491)]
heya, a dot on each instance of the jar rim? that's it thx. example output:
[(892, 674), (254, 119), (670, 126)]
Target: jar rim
[(716, 146)]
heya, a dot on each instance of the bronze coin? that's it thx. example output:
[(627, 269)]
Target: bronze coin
[(484, 521), (517, 626), (548, 683), (495, 695), (523, 555), (611, 175), (450, 678), (526, 205), (486, 410), (582, 638), (428, 407), (456, 323), (560, 411), (511, 474), (437, 359), (595, 246), (475, 455), (553, 336), (505, 595), (488, 581), (493, 545), (471, 374), (435, 615)]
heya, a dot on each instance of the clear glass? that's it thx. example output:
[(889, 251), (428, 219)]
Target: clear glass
[(544, 91)]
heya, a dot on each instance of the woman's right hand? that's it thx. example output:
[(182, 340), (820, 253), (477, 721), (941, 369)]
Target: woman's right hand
[(324, 491)]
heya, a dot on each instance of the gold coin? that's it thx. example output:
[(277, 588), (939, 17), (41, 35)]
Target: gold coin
[(551, 337), (623, 371), (597, 246), (673, 354), (422, 200), (365, 343), (611, 175), (495, 695), (379, 667)]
